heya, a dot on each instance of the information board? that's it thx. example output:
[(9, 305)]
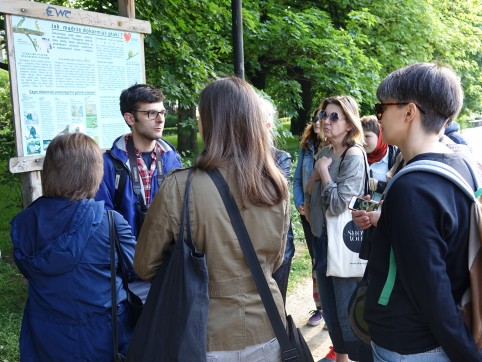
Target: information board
[(69, 78)]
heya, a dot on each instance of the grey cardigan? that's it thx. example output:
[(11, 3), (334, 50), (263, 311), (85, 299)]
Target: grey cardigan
[(347, 181)]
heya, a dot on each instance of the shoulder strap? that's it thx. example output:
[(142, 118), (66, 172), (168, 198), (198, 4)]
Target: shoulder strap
[(112, 234), (366, 187), (289, 352), (440, 169), (120, 179), (449, 173), (136, 179)]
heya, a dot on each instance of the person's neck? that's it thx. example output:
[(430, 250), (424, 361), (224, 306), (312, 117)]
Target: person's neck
[(430, 144), (143, 144), (338, 148)]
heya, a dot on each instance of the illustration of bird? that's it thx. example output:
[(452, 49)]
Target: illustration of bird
[(66, 130), (33, 132), (20, 23), (131, 54)]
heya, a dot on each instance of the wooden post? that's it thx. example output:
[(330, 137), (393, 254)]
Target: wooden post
[(127, 8)]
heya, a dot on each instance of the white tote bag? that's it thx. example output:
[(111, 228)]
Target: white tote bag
[(344, 243)]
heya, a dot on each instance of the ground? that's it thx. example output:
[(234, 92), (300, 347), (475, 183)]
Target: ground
[(299, 303)]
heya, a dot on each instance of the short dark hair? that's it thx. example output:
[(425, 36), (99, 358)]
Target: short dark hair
[(73, 167), (138, 93), (434, 88)]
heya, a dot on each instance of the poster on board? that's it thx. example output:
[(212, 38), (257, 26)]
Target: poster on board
[(69, 78)]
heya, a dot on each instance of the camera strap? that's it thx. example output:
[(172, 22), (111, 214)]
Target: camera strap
[(136, 178)]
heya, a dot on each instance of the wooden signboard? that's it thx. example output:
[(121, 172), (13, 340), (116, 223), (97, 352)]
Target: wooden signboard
[(67, 70)]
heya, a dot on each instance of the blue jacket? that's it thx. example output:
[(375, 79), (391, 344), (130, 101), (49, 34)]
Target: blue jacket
[(127, 208), (453, 132), (62, 248), (303, 171), (283, 160)]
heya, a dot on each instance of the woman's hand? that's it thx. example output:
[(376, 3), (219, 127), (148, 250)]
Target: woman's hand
[(322, 166), (364, 219), (301, 210), (325, 162)]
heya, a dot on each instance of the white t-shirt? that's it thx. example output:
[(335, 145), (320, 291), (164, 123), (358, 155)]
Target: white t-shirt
[(379, 169)]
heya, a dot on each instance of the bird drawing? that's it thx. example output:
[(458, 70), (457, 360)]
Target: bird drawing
[(20, 23), (33, 132), (66, 130)]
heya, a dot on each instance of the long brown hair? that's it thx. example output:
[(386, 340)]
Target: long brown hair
[(234, 130), (73, 167), (310, 138)]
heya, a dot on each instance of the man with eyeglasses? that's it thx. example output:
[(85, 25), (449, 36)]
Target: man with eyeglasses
[(136, 164)]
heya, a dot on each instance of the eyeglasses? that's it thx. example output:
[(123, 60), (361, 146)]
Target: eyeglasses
[(152, 115), (334, 117), (380, 108)]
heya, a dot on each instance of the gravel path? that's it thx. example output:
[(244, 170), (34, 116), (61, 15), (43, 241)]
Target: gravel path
[(299, 303)]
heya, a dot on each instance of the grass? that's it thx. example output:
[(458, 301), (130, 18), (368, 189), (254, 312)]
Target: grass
[(13, 287)]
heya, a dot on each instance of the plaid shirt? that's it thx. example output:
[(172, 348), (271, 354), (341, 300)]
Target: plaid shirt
[(144, 172)]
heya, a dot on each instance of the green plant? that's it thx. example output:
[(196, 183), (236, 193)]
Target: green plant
[(14, 294)]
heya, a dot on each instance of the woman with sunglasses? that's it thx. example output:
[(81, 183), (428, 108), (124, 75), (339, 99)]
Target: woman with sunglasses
[(310, 144), (338, 175)]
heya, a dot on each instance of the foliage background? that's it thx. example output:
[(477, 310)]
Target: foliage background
[(296, 51)]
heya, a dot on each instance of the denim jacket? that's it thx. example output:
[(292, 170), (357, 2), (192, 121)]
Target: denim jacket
[(303, 171)]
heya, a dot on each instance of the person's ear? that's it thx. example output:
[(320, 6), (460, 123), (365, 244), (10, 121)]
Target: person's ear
[(411, 109), (129, 118)]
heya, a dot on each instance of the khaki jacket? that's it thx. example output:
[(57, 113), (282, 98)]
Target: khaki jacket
[(237, 317)]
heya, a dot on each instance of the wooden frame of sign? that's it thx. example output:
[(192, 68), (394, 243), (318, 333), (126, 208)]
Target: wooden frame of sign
[(44, 41)]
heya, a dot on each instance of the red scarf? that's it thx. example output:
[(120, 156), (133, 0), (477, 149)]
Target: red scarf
[(379, 152)]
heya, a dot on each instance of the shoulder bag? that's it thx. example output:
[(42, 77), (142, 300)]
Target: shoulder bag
[(345, 240), (133, 301), (293, 345), (173, 324)]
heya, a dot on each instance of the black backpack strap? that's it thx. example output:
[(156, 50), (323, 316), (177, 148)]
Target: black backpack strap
[(120, 179)]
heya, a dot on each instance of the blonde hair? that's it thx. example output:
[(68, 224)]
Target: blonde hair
[(73, 167), (234, 130), (352, 114)]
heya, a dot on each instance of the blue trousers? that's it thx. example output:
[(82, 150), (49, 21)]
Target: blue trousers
[(335, 294)]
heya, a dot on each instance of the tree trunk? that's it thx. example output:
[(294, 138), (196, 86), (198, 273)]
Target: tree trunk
[(187, 132), (298, 123)]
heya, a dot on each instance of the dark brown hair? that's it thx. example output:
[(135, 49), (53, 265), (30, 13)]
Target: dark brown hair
[(73, 167), (310, 138)]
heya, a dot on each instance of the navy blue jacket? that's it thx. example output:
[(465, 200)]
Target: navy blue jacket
[(62, 248), (453, 132), (127, 207)]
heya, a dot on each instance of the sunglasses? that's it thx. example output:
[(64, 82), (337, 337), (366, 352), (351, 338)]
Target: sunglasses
[(380, 108), (334, 117)]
